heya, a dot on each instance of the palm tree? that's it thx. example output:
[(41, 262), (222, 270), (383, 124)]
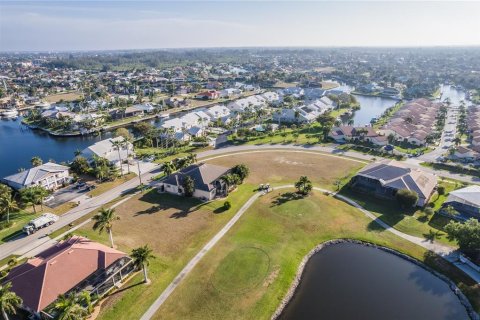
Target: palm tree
[(118, 145), (126, 142), (168, 168), (141, 257), (104, 221), (8, 204), (77, 152), (9, 301), (69, 308), (36, 161)]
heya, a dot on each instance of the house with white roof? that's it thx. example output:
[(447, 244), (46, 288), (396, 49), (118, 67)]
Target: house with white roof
[(465, 201), (249, 103), (106, 149), (49, 175)]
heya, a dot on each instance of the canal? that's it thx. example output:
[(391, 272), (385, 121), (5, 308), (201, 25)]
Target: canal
[(352, 281)]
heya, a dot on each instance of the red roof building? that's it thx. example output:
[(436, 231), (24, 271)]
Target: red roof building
[(58, 270)]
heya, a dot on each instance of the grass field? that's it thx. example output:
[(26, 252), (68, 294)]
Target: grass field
[(175, 228), (282, 167), (285, 229), (69, 96), (105, 186)]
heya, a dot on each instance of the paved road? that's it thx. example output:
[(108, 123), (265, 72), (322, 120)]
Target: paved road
[(446, 140), (24, 244), (444, 251)]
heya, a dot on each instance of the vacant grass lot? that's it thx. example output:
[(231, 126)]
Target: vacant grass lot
[(281, 167), (285, 229), (175, 228), (69, 96)]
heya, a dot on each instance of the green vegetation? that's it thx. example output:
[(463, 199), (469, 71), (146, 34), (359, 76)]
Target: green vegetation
[(285, 228), (413, 221), (387, 114)]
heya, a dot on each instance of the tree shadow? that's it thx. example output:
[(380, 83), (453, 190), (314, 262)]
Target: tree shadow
[(422, 218), (164, 202), (220, 209), (125, 288), (431, 236), (286, 197)]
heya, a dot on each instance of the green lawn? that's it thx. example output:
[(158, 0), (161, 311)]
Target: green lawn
[(414, 222), (19, 219), (285, 229), (176, 232), (105, 186)]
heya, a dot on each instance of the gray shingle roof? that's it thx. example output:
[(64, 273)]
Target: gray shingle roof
[(202, 174)]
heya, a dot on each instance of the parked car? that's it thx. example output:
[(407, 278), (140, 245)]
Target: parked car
[(150, 158), (48, 198)]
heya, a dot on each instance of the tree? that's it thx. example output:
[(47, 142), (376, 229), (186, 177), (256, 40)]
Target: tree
[(337, 183), (104, 221), (77, 152), (117, 144), (9, 301), (303, 185), (141, 258), (122, 132), (36, 161), (33, 195), (68, 307), (7, 205), (440, 191), (80, 165), (466, 234), (406, 198), (227, 205), (168, 168), (188, 186), (242, 171)]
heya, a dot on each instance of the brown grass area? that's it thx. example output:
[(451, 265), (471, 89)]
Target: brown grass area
[(70, 96), (279, 167)]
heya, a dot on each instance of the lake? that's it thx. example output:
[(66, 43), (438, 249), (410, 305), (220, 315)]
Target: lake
[(371, 107), (352, 281)]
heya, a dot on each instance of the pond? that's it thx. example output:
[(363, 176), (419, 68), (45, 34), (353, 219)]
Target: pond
[(352, 281)]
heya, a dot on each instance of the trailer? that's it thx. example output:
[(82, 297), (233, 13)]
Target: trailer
[(43, 221)]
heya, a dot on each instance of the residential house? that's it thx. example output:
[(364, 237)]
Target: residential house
[(106, 149), (414, 122), (465, 201), (207, 179), (72, 265), (49, 175), (344, 134), (383, 179), (465, 153), (208, 95)]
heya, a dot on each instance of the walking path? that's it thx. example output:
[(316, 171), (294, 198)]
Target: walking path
[(446, 252)]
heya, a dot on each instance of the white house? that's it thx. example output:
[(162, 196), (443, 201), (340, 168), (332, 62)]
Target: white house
[(48, 175), (106, 149), (230, 92)]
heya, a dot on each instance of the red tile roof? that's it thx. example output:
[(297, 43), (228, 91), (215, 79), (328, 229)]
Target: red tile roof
[(58, 269)]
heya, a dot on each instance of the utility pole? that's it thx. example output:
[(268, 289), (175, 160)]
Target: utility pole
[(139, 175)]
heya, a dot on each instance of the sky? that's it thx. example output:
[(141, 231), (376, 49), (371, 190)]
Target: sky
[(108, 25)]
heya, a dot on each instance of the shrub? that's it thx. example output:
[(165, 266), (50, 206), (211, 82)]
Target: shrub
[(227, 205), (5, 224)]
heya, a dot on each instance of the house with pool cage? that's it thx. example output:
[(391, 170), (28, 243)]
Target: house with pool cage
[(71, 266)]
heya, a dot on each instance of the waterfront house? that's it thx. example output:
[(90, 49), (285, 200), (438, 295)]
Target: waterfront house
[(384, 178), (49, 175), (72, 265), (465, 201), (106, 149), (344, 134), (206, 177)]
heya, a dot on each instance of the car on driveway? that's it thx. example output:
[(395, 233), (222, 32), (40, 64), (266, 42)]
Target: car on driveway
[(48, 198)]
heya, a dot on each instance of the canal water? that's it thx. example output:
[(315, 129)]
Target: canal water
[(18, 144), (351, 281)]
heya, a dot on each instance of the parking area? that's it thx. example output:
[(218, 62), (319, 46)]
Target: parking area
[(65, 195)]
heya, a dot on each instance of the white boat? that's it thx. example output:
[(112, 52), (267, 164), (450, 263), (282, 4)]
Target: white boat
[(10, 113)]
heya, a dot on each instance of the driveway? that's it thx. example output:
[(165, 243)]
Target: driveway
[(64, 195)]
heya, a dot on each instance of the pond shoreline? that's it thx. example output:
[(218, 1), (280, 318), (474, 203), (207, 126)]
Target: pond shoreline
[(300, 272)]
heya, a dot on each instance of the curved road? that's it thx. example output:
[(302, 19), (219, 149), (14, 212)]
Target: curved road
[(444, 251)]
